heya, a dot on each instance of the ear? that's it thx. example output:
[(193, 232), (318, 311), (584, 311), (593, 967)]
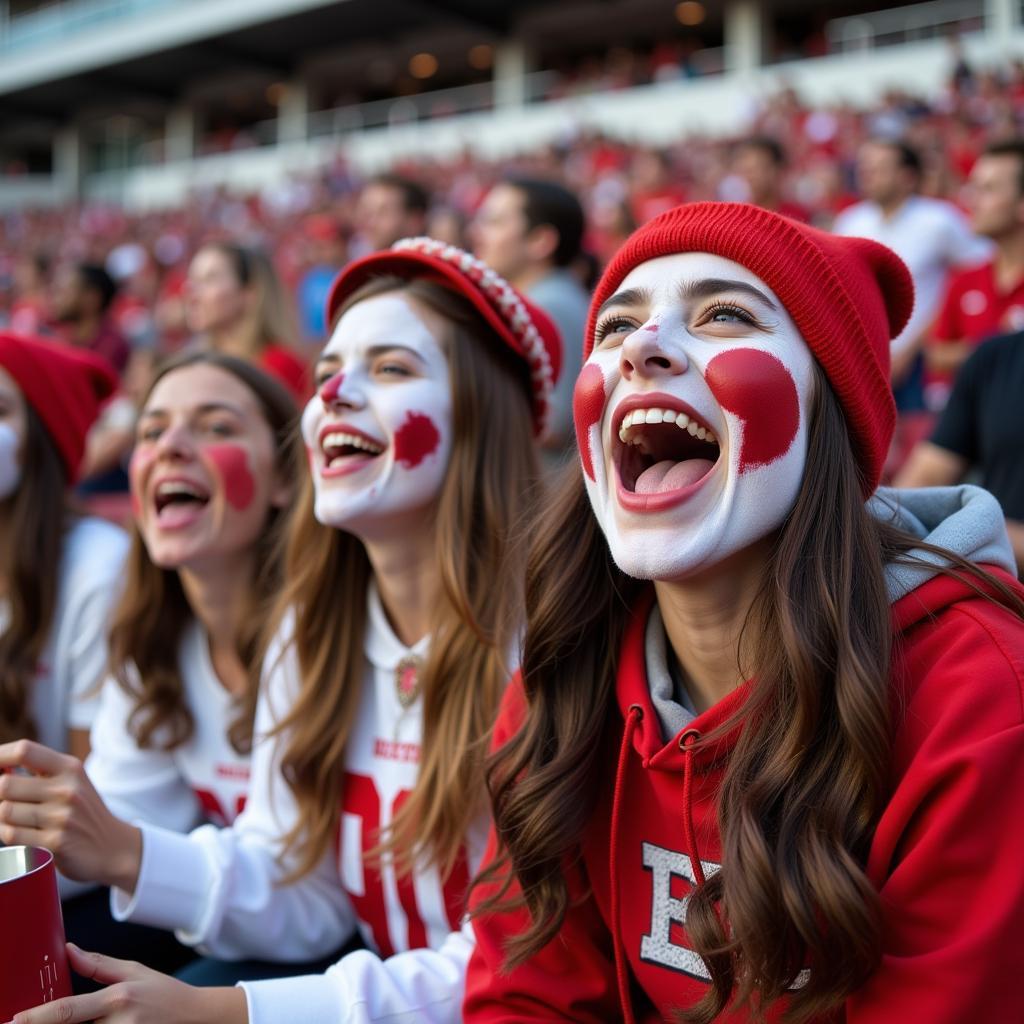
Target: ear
[(542, 242)]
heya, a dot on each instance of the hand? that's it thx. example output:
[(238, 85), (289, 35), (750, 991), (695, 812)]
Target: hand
[(58, 807), (137, 995)]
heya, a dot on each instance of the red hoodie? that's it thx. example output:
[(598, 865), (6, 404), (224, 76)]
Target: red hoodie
[(947, 856)]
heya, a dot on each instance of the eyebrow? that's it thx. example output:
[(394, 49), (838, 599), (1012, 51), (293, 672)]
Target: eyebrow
[(627, 297), (689, 291), (373, 351), (694, 291), (206, 407)]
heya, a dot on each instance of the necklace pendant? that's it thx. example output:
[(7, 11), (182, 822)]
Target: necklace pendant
[(407, 680)]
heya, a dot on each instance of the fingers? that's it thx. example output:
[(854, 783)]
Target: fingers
[(71, 1010), (34, 756), (10, 835), (31, 788), (22, 815), (104, 969)]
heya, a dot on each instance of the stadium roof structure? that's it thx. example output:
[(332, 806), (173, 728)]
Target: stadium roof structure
[(153, 49)]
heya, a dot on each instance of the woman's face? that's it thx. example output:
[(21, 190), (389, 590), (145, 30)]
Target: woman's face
[(214, 297), (691, 415), (13, 425), (203, 473), (379, 429)]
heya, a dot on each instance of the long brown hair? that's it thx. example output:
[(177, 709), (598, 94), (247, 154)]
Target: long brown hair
[(484, 499), (270, 322), (37, 516), (153, 611), (807, 779)]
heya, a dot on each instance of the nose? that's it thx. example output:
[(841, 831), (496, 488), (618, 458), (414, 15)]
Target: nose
[(175, 442), (335, 394), (644, 355)]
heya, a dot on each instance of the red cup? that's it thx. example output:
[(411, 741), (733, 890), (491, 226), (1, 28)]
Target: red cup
[(33, 960)]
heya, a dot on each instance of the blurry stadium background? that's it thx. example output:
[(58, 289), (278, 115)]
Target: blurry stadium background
[(141, 101), (132, 130)]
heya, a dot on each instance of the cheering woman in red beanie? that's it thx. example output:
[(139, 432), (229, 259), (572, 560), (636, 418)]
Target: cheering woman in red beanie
[(393, 637), (58, 570), (768, 750)]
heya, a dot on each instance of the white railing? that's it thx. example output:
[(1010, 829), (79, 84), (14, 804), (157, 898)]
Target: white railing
[(904, 24)]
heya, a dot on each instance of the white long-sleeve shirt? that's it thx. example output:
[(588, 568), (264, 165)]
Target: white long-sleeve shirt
[(66, 691), (202, 779), (220, 888)]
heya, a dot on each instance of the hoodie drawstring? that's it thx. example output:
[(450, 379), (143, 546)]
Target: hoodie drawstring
[(633, 718), (686, 741)]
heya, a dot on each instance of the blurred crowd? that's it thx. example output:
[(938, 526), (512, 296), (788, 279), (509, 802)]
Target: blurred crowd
[(248, 274)]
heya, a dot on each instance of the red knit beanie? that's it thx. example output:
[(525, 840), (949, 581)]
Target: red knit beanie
[(526, 330), (848, 296), (66, 388)]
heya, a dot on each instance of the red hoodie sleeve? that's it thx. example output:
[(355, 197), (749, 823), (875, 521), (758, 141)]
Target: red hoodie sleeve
[(570, 979), (948, 854)]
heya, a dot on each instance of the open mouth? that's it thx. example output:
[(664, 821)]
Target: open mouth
[(663, 451), (347, 449), (179, 502)]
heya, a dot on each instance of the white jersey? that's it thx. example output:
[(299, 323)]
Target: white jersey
[(66, 691), (202, 779), (931, 236), (219, 888)]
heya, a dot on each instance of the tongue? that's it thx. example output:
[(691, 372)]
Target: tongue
[(667, 475)]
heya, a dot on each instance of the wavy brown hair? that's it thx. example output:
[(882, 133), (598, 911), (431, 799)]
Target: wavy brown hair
[(484, 501), (153, 611), (807, 780), (36, 518)]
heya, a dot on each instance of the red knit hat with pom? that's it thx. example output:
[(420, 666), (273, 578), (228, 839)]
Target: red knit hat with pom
[(848, 296), (65, 386), (525, 329)]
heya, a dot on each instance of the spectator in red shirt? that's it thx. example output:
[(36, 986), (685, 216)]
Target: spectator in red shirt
[(989, 299), (760, 162), (654, 187), (82, 296), (234, 302)]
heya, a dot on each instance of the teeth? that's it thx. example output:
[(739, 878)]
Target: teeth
[(175, 487), (339, 439), (644, 416)]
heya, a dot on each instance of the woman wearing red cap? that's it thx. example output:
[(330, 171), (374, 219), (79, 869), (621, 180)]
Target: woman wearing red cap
[(58, 570), (393, 641), (767, 755), (215, 462)]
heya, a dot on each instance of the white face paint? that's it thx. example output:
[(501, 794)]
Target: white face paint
[(691, 415), (12, 434), (379, 429), (10, 460)]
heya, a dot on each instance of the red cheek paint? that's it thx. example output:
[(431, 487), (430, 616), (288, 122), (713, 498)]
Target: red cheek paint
[(232, 464), (756, 387), (329, 392), (417, 438), (587, 406)]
